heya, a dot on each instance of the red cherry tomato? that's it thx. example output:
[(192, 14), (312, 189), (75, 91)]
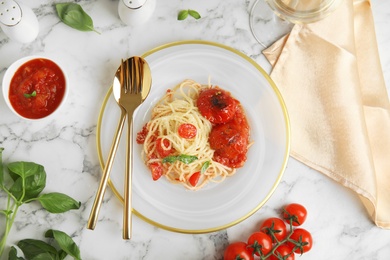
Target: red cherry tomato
[(274, 226), (304, 241), (237, 251), (163, 147), (194, 179), (156, 169), (260, 243), (187, 131), (217, 105), (283, 252), (294, 212)]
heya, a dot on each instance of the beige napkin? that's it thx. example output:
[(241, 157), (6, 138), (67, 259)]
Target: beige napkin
[(331, 79)]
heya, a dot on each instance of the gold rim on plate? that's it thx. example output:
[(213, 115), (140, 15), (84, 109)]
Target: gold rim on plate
[(286, 154)]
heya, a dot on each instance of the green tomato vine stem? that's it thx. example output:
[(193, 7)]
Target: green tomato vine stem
[(281, 242)]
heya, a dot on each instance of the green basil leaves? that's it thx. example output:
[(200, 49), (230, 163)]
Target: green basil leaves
[(38, 249), (73, 15), (183, 14), (187, 159), (27, 181), (27, 95)]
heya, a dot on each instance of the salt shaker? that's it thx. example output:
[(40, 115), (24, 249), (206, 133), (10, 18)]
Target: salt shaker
[(135, 12), (18, 21)]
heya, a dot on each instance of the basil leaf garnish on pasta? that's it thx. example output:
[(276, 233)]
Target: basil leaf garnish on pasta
[(205, 166), (187, 159)]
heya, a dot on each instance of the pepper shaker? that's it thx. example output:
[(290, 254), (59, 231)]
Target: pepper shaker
[(135, 12), (18, 21)]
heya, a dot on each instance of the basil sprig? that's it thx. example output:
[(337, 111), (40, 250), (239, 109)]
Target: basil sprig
[(183, 14), (73, 15), (187, 159), (38, 249), (27, 181)]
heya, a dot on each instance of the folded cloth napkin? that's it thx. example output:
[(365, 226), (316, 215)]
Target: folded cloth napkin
[(331, 79)]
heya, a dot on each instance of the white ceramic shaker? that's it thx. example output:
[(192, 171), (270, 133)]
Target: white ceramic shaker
[(135, 12), (18, 21)]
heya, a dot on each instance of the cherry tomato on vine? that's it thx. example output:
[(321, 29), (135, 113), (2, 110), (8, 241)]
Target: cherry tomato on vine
[(260, 242), (294, 212), (237, 251), (304, 241), (282, 252), (275, 228), (187, 131)]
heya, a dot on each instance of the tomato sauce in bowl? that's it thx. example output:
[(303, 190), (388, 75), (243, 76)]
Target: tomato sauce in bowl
[(37, 88)]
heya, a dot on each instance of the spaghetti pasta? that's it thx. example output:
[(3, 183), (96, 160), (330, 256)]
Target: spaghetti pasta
[(180, 158)]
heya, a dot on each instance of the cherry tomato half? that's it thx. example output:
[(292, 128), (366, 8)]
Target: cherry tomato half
[(187, 131), (260, 243), (294, 212), (194, 179), (163, 147), (156, 169), (274, 226), (304, 241), (237, 251), (283, 252)]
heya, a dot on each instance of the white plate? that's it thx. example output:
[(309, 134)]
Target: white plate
[(216, 206)]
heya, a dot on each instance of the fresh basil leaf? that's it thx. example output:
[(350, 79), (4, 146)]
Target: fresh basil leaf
[(187, 159), (27, 95), (34, 185), (45, 256), (183, 14), (1, 167), (23, 169), (13, 254), (61, 254), (194, 14), (170, 159), (65, 242), (205, 166), (73, 15), (32, 248), (56, 202)]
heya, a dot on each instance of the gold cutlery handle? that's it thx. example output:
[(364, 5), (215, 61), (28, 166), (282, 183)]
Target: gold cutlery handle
[(128, 180), (106, 173)]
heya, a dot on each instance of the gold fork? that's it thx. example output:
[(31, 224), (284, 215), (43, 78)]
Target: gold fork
[(136, 86)]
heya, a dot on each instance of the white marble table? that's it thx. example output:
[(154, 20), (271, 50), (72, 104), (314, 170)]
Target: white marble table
[(66, 145)]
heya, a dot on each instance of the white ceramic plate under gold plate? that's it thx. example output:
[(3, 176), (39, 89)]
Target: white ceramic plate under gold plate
[(216, 206)]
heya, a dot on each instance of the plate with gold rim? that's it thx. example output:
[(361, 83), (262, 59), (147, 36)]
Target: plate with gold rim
[(216, 206)]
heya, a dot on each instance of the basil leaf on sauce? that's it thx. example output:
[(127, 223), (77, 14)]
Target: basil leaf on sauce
[(187, 159), (73, 15), (33, 94)]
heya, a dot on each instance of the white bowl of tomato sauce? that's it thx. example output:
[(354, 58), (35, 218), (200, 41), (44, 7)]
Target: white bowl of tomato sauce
[(35, 87)]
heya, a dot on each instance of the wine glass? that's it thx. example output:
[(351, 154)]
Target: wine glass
[(271, 19)]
